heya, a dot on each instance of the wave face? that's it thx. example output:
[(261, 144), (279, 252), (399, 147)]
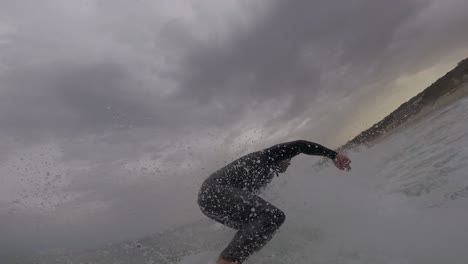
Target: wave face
[(405, 201)]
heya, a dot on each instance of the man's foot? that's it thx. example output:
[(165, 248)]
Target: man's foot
[(222, 261)]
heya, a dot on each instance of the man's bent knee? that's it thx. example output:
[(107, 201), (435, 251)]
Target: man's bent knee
[(276, 218)]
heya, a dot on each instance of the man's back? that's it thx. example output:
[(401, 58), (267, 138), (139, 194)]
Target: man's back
[(255, 170), (250, 172)]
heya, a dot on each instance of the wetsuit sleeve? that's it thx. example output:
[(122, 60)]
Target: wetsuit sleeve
[(291, 149)]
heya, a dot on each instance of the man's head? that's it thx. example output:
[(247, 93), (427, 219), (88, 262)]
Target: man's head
[(283, 165)]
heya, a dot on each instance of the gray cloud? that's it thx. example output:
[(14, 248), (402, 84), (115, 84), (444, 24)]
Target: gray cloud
[(290, 51), (72, 98)]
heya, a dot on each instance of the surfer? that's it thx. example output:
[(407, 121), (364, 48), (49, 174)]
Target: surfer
[(229, 195)]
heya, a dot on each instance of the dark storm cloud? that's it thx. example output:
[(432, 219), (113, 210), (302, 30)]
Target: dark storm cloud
[(287, 51), (73, 98), (299, 50), (291, 52), (69, 100)]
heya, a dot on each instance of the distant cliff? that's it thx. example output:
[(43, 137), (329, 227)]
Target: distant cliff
[(448, 89)]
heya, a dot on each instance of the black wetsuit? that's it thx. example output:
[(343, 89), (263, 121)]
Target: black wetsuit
[(228, 196)]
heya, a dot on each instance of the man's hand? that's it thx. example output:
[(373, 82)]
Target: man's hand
[(342, 162)]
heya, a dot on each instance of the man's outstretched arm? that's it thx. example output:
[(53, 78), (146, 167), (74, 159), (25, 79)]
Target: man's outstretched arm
[(291, 149)]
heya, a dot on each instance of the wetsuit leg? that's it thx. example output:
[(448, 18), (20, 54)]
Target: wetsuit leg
[(255, 219)]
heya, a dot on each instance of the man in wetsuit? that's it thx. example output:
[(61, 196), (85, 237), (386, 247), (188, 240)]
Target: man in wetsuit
[(228, 196)]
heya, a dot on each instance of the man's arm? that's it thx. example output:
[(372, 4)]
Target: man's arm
[(291, 149)]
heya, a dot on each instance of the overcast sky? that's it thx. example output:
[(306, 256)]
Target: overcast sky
[(107, 105)]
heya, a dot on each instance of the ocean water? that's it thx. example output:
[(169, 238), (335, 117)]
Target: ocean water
[(405, 201)]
